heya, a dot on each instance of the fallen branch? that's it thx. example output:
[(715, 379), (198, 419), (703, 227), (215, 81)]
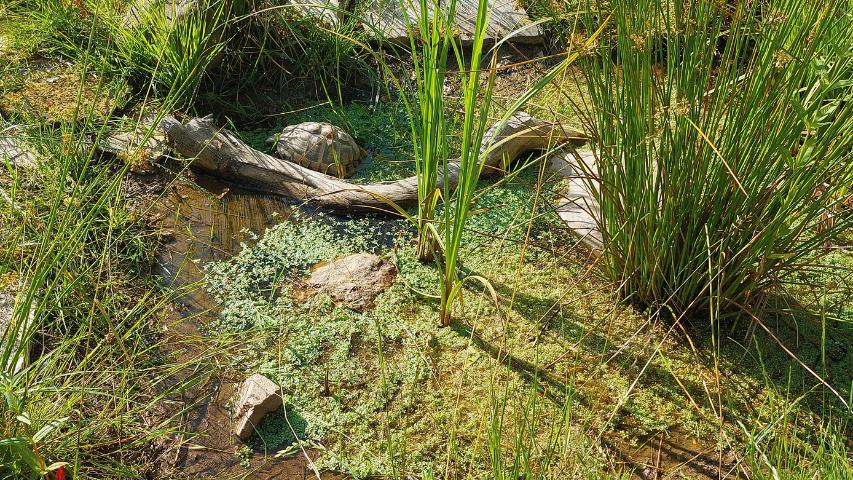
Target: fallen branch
[(219, 152)]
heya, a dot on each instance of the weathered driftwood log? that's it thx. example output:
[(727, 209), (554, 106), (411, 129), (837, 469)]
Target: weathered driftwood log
[(219, 152), (577, 203)]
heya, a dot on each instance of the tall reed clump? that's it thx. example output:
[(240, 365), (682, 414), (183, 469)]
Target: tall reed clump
[(430, 132), (83, 381), (723, 133), (170, 50), (436, 171)]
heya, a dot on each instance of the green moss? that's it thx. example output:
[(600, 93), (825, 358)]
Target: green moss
[(53, 95), (279, 430), (387, 392)]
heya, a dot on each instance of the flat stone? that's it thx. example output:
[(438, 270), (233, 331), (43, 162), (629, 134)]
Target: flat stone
[(13, 151), (9, 332), (387, 18), (355, 280), (259, 396)]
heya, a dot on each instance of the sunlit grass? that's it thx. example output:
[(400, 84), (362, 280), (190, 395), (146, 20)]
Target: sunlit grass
[(717, 164), (539, 385)]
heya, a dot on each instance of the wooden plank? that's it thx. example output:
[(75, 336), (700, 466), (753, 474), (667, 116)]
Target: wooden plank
[(327, 11), (13, 151), (11, 333), (505, 17)]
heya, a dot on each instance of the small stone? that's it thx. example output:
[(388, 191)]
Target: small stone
[(10, 332), (259, 396), (13, 151), (355, 280)]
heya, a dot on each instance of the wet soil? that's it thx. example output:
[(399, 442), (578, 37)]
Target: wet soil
[(204, 220), (673, 455)]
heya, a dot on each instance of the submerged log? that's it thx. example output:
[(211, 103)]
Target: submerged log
[(221, 153)]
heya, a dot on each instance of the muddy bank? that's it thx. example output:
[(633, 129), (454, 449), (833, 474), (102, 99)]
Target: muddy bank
[(203, 220)]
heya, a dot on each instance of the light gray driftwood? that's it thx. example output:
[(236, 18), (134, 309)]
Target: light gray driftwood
[(577, 204), (506, 19), (219, 152)]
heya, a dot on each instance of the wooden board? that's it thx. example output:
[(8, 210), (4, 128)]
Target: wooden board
[(12, 151), (326, 11), (140, 11), (13, 332)]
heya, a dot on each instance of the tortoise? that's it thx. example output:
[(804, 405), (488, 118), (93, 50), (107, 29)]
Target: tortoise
[(319, 146)]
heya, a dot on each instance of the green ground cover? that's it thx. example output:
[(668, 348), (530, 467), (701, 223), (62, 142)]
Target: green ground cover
[(556, 381), (561, 361)]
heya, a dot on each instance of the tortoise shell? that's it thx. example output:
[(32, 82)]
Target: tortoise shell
[(320, 146)]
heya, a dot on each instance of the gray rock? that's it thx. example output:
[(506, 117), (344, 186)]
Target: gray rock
[(355, 280), (9, 332), (13, 151), (259, 396), (505, 17)]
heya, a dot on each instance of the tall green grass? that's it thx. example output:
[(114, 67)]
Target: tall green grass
[(430, 129), (171, 53), (91, 372), (92, 396), (722, 131)]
